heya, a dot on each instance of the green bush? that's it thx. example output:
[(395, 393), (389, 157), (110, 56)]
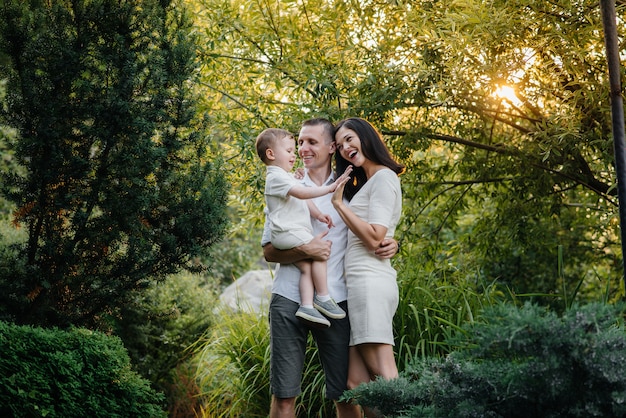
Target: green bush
[(517, 362), (65, 374), (159, 326)]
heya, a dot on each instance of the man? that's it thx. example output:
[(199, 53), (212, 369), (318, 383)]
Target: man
[(288, 336)]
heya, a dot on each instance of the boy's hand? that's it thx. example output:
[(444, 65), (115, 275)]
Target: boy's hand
[(327, 219)]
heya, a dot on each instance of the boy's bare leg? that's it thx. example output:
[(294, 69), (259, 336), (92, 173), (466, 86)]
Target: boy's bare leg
[(307, 290), (318, 273)]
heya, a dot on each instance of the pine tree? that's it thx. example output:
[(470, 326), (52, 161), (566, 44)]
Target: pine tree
[(119, 189)]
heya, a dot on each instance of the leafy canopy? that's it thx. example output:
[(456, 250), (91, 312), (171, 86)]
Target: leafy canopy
[(499, 108)]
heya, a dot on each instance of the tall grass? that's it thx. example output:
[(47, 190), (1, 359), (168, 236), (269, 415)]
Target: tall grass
[(233, 357), (233, 366), (233, 370), (434, 304)]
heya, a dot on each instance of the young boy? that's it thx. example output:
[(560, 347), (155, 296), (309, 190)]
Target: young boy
[(287, 200)]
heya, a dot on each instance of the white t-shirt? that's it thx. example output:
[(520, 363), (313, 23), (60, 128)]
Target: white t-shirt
[(289, 216), (287, 278)]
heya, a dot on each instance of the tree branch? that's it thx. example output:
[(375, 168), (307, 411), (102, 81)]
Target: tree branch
[(589, 182)]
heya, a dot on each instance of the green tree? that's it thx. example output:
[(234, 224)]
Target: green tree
[(499, 109), (7, 157), (119, 187)]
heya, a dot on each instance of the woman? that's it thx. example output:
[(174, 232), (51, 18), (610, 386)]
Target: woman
[(373, 211)]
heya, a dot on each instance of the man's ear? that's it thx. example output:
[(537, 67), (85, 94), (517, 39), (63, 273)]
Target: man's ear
[(269, 153), (333, 147)]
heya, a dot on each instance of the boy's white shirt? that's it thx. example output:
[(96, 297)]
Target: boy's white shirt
[(284, 210), (286, 279)]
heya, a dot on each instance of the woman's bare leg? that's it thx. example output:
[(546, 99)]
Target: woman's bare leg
[(368, 362), (379, 360)]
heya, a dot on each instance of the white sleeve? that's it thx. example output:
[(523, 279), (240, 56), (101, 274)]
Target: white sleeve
[(384, 194), (278, 183)]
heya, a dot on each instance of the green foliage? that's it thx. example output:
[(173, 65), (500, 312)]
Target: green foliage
[(118, 188), (8, 164), (495, 182), (159, 326), (76, 373), (238, 252), (435, 303), (517, 362), (234, 368)]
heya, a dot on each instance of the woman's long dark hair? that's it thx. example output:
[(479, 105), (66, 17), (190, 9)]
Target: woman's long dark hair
[(372, 147)]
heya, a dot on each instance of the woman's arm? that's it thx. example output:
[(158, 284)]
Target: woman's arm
[(371, 235)]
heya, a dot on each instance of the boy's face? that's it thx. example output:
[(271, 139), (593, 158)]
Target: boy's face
[(284, 153), (315, 147)]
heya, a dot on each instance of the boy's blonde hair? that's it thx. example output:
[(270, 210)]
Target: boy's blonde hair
[(267, 139)]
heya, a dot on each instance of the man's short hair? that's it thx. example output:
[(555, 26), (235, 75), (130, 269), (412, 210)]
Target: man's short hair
[(328, 126)]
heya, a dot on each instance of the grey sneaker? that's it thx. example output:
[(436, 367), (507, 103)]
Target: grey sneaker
[(329, 308), (312, 317)]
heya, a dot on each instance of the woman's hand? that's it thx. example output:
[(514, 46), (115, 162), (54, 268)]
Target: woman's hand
[(341, 180), (337, 198)]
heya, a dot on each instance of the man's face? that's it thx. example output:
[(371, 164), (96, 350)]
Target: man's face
[(315, 147)]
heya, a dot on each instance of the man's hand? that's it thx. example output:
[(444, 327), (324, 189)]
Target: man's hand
[(299, 173), (388, 248), (318, 249)]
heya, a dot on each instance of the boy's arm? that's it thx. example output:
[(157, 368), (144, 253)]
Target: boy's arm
[(313, 209), (317, 214), (303, 192)]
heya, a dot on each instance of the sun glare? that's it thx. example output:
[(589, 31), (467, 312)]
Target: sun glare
[(507, 93)]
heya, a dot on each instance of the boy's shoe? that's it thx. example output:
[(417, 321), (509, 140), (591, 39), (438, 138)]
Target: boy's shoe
[(312, 317), (329, 308)]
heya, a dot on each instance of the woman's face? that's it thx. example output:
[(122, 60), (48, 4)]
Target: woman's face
[(349, 146)]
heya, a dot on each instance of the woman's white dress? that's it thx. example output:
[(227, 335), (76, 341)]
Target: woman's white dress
[(372, 288)]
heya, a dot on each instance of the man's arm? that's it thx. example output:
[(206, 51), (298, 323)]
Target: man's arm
[(388, 248), (318, 249)]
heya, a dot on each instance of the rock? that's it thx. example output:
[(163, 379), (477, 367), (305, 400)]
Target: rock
[(250, 293)]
